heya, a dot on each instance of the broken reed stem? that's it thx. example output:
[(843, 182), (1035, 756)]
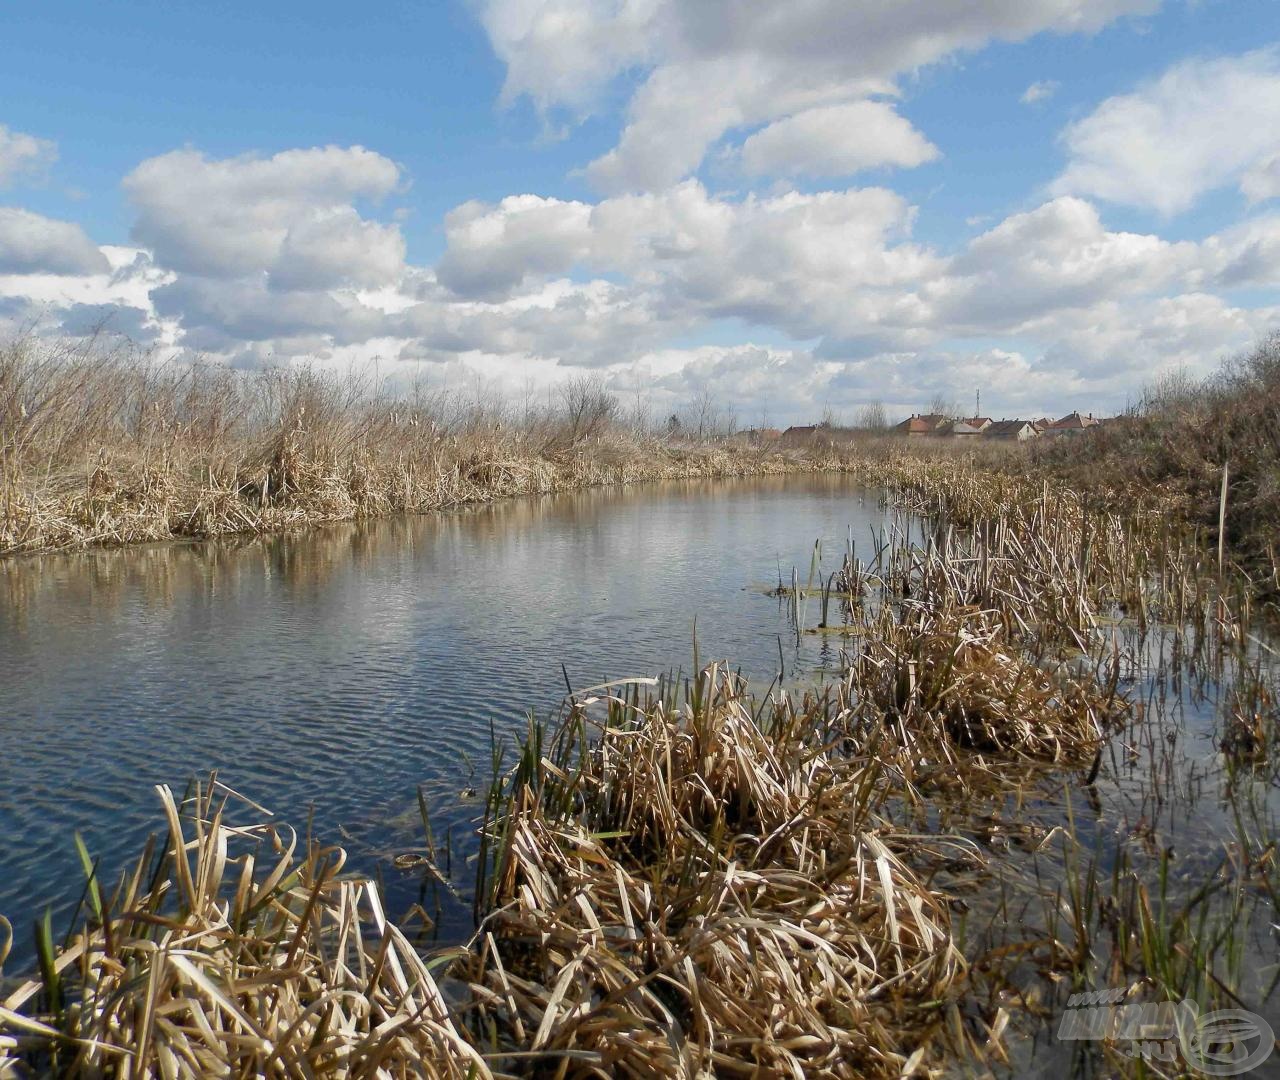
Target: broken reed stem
[(1222, 515)]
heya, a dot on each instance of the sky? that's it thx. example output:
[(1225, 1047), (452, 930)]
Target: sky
[(800, 208)]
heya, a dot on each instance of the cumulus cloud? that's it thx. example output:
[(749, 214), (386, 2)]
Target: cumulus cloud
[(135, 323), (1246, 255), (805, 262), (1202, 125), (218, 313), (1102, 307), (33, 244), (710, 67), (1057, 257), (594, 324), (23, 155), (492, 249), (1262, 179), (836, 140), (290, 215), (277, 260)]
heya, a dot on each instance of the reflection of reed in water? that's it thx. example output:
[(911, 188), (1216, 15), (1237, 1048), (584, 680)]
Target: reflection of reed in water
[(98, 580), (120, 450)]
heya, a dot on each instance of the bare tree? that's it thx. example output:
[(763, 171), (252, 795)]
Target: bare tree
[(641, 421), (942, 405), (705, 418), (704, 410), (589, 407), (872, 417), (1171, 392)]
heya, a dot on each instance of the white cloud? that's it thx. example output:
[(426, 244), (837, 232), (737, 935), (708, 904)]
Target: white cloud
[(811, 264), (595, 324), (269, 255), (1059, 256), (1203, 125), (1100, 308), (217, 313), (290, 215), (115, 293), (23, 155), (1039, 91), (33, 244), (711, 67), (564, 52), (836, 140), (1244, 256), (1049, 303), (493, 248), (1262, 179)]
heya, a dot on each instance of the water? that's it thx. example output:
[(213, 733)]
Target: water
[(342, 668)]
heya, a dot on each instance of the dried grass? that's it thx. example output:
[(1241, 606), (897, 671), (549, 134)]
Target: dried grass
[(102, 447), (690, 892), (236, 956)]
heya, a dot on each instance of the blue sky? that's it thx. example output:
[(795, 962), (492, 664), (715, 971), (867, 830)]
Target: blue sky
[(858, 202)]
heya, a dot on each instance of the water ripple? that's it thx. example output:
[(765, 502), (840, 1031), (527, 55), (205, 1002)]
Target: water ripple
[(344, 668)]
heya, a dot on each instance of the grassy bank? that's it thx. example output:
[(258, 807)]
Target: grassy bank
[(905, 869), (101, 447), (1173, 448), (105, 447)]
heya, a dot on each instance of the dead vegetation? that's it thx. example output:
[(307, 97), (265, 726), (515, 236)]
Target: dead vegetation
[(102, 446), (690, 882), (242, 950), (685, 890), (1175, 445)]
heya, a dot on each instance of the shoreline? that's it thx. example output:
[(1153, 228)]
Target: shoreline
[(124, 507)]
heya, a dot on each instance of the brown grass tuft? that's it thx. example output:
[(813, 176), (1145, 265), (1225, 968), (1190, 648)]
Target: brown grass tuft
[(236, 956)]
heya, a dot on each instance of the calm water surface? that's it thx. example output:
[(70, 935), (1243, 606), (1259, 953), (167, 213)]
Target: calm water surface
[(344, 668)]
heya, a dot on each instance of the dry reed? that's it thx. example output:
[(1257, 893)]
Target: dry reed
[(101, 446), (687, 891), (237, 955)]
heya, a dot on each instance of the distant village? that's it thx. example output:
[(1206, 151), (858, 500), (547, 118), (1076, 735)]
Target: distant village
[(937, 426), (985, 427)]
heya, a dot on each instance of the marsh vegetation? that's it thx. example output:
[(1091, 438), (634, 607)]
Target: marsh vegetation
[(1044, 764), (1040, 760), (101, 445)]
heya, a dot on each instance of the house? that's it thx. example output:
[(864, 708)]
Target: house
[(959, 429), (920, 425), (798, 435), (1074, 422), (1012, 430), (979, 422), (763, 436)]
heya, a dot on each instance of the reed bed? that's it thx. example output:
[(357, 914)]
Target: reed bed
[(690, 890), (953, 680), (102, 446), (234, 954), (1107, 621)]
